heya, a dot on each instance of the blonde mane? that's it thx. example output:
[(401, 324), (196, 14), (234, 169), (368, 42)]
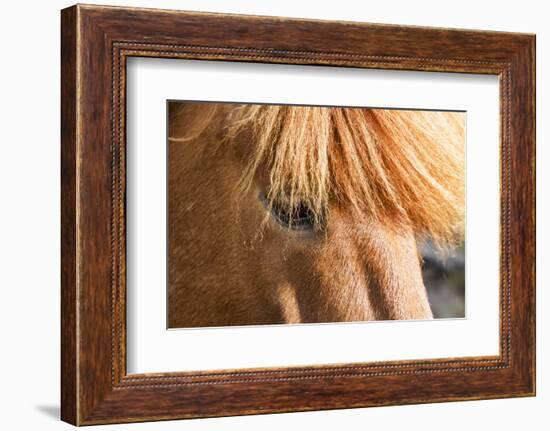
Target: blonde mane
[(398, 167)]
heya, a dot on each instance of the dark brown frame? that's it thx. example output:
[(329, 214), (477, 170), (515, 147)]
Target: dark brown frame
[(95, 43)]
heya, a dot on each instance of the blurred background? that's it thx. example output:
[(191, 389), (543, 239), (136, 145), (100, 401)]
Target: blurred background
[(444, 279)]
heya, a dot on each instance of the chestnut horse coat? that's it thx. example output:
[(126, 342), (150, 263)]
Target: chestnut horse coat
[(284, 214)]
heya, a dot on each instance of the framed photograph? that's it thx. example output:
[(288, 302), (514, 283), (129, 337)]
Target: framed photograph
[(264, 214)]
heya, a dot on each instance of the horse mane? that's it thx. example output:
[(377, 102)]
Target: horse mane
[(403, 168)]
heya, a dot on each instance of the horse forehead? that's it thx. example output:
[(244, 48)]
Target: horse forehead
[(344, 228)]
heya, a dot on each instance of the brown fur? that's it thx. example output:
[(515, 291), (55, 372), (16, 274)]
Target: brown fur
[(375, 181)]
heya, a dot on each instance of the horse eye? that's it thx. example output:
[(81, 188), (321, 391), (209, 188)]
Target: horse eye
[(302, 217)]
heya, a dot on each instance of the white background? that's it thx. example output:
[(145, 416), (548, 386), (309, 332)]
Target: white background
[(151, 348), (29, 217)]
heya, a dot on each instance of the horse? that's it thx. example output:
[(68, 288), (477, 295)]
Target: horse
[(282, 214)]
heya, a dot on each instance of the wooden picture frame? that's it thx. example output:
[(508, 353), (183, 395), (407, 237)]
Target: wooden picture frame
[(95, 43)]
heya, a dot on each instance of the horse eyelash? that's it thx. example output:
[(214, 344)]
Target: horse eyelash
[(303, 220)]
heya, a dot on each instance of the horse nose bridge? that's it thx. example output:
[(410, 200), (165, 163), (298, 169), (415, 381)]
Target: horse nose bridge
[(382, 265), (403, 293), (391, 271)]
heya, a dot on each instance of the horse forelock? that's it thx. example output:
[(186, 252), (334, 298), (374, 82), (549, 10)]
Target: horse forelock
[(398, 167)]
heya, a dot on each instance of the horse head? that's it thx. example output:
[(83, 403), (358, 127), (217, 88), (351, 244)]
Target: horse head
[(291, 214)]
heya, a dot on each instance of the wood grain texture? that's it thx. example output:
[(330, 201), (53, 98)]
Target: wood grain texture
[(68, 218), (96, 41)]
